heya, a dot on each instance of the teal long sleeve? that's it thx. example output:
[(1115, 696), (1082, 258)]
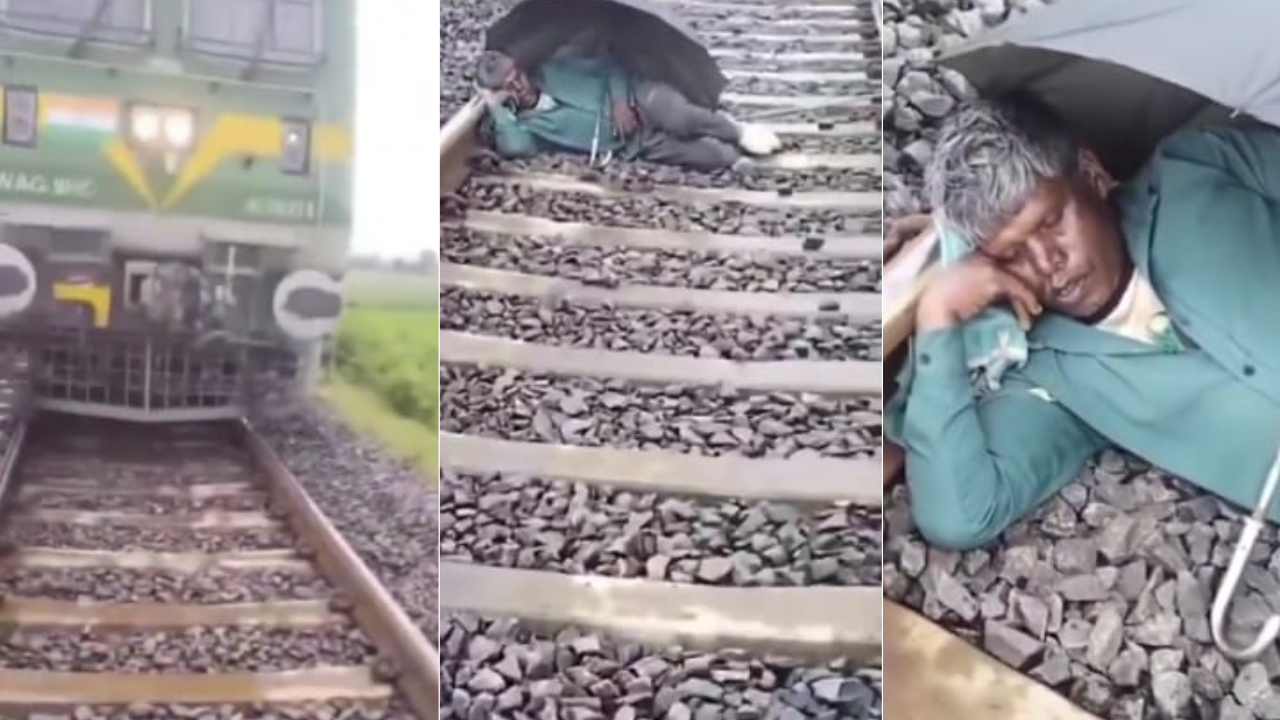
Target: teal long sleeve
[(1247, 159), (511, 138), (969, 484)]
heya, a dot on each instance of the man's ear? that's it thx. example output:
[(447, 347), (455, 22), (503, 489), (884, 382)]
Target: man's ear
[(1095, 174)]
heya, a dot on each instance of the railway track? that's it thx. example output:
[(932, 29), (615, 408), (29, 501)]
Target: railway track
[(182, 572), (660, 403)]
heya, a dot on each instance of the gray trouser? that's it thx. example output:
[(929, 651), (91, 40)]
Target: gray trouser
[(678, 132)]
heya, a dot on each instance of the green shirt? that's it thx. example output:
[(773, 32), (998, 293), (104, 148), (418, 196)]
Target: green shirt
[(1202, 223)]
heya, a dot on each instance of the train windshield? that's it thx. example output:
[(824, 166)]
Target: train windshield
[(287, 32), (115, 21)]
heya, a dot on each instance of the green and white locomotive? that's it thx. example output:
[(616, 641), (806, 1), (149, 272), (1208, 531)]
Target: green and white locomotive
[(175, 198)]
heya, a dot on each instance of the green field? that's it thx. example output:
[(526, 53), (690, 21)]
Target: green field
[(385, 377), (391, 288)]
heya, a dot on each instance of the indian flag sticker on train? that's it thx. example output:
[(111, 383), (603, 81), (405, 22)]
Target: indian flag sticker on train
[(307, 305), (17, 281)]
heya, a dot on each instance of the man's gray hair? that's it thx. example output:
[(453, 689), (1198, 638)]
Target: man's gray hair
[(989, 157), (492, 69)]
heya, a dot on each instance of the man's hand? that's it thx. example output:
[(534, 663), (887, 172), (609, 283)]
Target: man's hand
[(493, 98), (625, 120), (905, 229), (962, 291)]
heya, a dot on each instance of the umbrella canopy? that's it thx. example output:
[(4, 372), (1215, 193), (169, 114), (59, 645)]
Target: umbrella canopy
[(648, 40), (1127, 74)]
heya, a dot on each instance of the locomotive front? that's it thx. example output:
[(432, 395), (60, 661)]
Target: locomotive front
[(175, 199)]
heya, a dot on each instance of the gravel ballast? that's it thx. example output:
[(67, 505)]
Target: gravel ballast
[(393, 710), (642, 176), (197, 650), (640, 211), (693, 419), (671, 332), (498, 666), (700, 270), (125, 537), (747, 85), (533, 523), (1104, 595), (209, 586), (143, 505)]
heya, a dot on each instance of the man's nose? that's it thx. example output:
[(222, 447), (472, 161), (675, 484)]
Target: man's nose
[(1043, 258)]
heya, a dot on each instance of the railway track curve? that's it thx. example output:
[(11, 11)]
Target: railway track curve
[(181, 571), (661, 398)]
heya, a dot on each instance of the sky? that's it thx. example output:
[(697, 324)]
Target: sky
[(396, 129)]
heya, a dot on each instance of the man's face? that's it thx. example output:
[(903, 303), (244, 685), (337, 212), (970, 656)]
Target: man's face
[(1066, 244), (522, 89)]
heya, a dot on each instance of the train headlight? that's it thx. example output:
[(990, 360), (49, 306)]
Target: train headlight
[(179, 129), (144, 124), (295, 147), (166, 127)]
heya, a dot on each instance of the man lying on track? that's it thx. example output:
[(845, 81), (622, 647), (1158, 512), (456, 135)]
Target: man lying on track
[(1152, 311), (580, 101)]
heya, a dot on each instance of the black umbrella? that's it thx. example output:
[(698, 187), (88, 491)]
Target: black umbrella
[(1127, 73), (648, 41)]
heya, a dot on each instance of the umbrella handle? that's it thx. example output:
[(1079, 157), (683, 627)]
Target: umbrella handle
[(595, 140), (1235, 570)]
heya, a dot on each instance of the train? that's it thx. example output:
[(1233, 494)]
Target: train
[(176, 186)]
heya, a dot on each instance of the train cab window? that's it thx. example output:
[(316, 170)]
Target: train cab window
[(133, 298), (287, 32), (117, 21), (136, 275), (21, 112)]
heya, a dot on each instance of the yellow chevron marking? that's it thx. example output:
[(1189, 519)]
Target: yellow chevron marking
[(97, 297), (333, 143), (256, 135), (121, 156)]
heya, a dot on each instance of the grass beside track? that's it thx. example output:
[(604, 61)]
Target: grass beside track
[(393, 352), (385, 383), (366, 413)]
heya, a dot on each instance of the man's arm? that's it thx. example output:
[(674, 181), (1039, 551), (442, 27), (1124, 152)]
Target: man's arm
[(619, 86), (976, 466), (510, 138), (1249, 156)]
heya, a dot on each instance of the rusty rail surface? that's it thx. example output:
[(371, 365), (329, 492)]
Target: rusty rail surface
[(417, 668)]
